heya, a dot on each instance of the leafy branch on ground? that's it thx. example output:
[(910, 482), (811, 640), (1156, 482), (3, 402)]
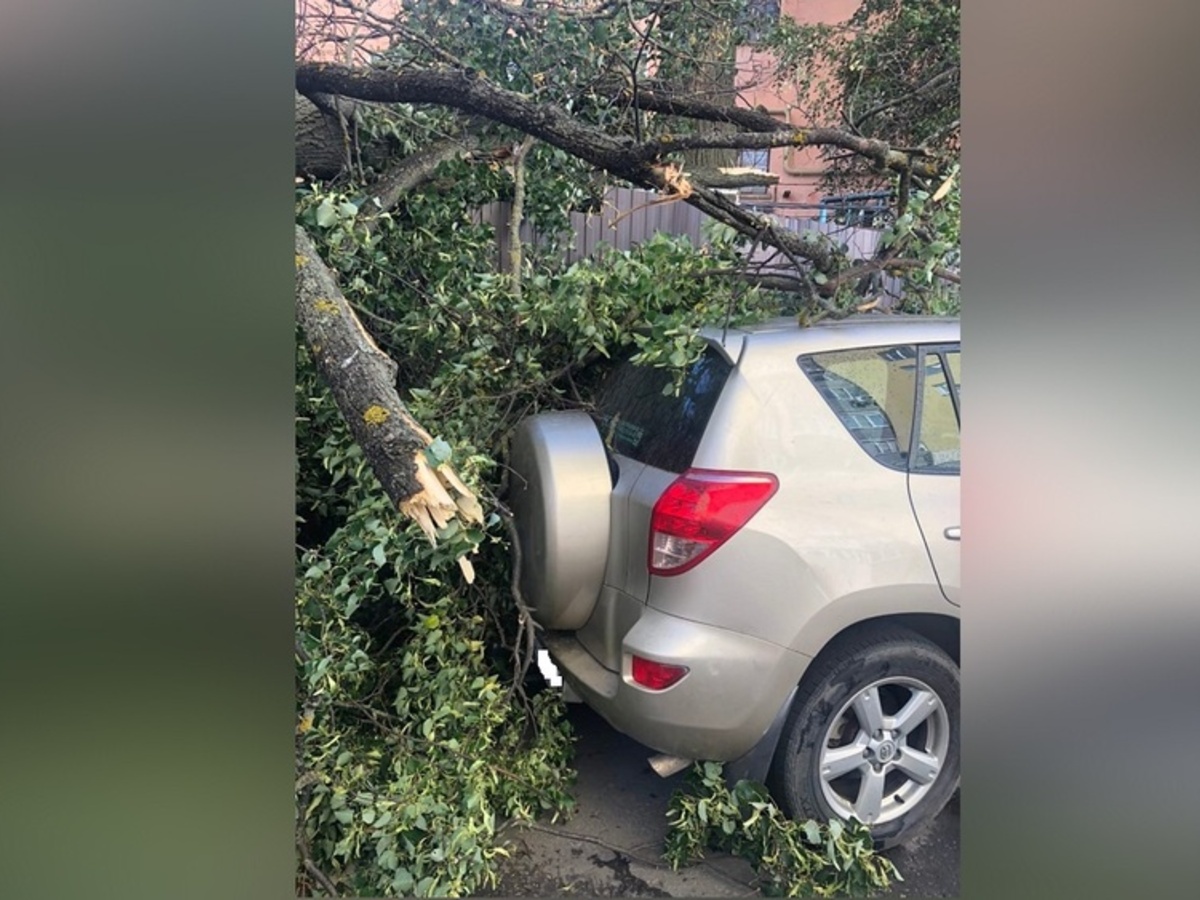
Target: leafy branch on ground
[(791, 858)]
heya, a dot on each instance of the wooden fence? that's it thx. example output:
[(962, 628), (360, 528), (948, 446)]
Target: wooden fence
[(638, 217)]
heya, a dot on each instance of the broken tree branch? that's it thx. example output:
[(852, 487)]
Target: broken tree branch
[(362, 379), (637, 163)]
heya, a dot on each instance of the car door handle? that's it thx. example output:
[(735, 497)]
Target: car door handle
[(953, 533)]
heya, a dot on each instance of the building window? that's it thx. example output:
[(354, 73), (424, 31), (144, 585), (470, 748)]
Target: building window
[(755, 159), (757, 19)]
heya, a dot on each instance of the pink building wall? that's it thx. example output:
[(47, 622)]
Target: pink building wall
[(799, 170), (327, 32)]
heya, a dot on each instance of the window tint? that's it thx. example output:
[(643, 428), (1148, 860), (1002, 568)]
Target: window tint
[(938, 444), (638, 420), (872, 391)]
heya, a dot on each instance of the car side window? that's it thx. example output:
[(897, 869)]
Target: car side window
[(937, 446), (872, 392)]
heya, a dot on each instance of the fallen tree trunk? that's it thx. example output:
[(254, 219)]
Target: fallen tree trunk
[(327, 139), (362, 379)]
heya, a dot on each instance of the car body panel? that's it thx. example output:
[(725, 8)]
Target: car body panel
[(936, 505), (707, 714), (838, 544)]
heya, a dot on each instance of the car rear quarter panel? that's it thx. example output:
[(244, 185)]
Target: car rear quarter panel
[(836, 544)]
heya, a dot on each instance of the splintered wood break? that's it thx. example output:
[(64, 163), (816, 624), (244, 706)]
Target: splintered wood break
[(433, 507), (672, 179)]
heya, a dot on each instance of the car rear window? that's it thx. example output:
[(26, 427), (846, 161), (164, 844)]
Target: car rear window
[(642, 418)]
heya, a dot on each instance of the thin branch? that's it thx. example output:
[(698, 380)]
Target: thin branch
[(883, 265), (306, 857), (517, 216), (527, 628), (869, 148), (932, 84)]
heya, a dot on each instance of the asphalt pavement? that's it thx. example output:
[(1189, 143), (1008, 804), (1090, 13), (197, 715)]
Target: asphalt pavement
[(612, 844)]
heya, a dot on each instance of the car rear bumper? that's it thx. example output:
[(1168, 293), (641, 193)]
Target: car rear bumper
[(732, 692)]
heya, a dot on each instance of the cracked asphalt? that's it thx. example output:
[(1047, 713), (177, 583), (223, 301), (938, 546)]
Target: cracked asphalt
[(612, 844)]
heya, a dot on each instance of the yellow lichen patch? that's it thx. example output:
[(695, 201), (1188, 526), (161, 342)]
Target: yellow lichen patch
[(326, 306), (801, 137), (300, 261), (375, 415)]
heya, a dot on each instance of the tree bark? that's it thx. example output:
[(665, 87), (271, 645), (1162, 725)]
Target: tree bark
[(727, 177), (411, 172), (325, 140), (362, 380)]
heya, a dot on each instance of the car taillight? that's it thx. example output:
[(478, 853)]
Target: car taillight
[(655, 675), (701, 510)]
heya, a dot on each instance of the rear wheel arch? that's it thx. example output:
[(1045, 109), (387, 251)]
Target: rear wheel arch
[(919, 608), (941, 630), (900, 658)]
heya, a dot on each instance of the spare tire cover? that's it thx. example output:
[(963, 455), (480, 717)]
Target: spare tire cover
[(560, 490)]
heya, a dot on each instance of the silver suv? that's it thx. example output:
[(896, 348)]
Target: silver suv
[(763, 567)]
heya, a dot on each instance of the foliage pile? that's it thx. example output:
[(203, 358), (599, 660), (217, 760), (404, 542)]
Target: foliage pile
[(791, 858), (416, 737)]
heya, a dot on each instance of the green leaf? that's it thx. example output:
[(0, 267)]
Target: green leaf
[(378, 555), (402, 883), (326, 214), (438, 452)]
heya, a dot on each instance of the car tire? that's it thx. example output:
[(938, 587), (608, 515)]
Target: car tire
[(561, 489), (873, 734)]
